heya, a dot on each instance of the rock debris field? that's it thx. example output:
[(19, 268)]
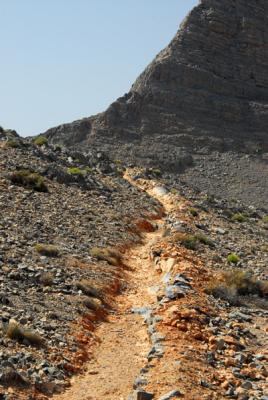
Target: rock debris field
[(125, 283)]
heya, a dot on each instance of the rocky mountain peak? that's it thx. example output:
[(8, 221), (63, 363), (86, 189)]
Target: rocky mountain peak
[(206, 92)]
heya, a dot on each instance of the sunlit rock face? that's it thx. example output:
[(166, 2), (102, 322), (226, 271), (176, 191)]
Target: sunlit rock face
[(206, 91)]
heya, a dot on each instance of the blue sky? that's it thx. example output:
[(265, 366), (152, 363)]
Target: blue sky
[(66, 59)]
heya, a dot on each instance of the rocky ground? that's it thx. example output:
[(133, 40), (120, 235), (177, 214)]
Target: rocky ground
[(230, 175), (45, 293), (204, 347), (196, 342)]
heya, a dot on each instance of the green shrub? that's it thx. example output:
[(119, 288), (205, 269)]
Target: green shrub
[(16, 332), (88, 170), (113, 257), (233, 258), (191, 241), (29, 179), (1, 129), (76, 171), (47, 250), (239, 218), (193, 212), (118, 162), (265, 219), (204, 239), (41, 141)]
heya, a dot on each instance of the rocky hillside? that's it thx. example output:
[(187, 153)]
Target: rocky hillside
[(206, 92), (84, 241), (61, 213)]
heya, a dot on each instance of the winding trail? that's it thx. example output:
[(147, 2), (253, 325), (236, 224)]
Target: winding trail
[(124, 341)]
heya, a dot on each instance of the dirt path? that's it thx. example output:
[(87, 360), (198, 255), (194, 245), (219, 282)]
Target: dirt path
[(124, 341)]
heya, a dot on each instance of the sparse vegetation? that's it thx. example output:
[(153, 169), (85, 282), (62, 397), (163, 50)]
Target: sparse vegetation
[(204, 239), (118, 162), (16, 332), (47, 250), (239, 217), (220, 291), (93, 304), (76, 171), (12, 144), (47, 279), (40, 141), (112, 256), (233, 284), (233, 258), (211, 198), (265, 219), (191, 241), (58, 148), (88, 289), (29, 179), (193, 212), (155, 172)]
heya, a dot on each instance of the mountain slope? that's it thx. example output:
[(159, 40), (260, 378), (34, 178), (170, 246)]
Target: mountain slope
[(206, 92)]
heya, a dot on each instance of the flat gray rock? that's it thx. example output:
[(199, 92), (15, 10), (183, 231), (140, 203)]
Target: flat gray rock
[(171, 395)]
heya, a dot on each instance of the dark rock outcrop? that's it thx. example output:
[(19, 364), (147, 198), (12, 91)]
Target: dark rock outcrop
[(199, 108), (208, 89)]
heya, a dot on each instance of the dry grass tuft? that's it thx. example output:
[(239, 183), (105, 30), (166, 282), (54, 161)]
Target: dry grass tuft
[(88, 289), (239, 217), (230, 285), (113, 257), (47, 250), (46, 279), (191, 242), (16, 332), (29, 179)]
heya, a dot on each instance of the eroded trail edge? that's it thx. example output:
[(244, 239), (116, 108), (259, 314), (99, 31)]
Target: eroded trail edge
[(123, 339)]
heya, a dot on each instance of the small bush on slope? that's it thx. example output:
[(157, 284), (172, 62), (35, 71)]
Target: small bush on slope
[(47, 250), (113, 257), (41, 141), (233, 284), (29, 179), (233, 258), (16, 332)]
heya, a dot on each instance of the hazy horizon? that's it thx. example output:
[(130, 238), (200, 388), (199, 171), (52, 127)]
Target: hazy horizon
[(65, 60)]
